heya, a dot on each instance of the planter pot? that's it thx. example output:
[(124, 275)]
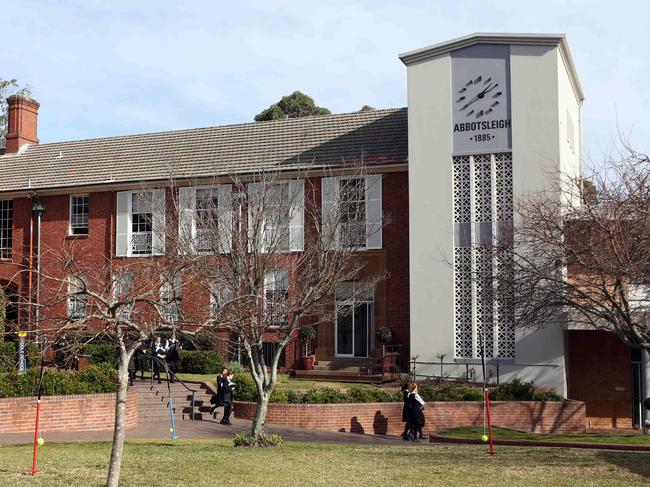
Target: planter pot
[(306, 363)]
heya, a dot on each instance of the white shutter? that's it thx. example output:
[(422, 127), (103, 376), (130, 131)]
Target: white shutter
[(329, 212), (186, 206), (297, 215), (224, 212), (374, 218), (254, 194), (158, 224), (122, 224)]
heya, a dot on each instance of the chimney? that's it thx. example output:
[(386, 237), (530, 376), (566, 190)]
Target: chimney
[(22, 118)]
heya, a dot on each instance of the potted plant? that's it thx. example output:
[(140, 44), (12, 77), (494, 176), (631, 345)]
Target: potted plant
[(307, 335), (385, 336)]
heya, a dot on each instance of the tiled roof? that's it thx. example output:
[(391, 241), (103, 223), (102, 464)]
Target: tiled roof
[(377, 137)]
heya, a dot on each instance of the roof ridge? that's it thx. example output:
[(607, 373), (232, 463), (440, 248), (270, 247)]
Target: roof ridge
[(266, 123)]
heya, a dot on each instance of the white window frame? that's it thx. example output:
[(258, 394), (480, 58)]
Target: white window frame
[(123, 313), (370, 233), (271, 277), (70, 222), (171, 299), (6, 252), (296, 213), (131, 233), (73, 306)]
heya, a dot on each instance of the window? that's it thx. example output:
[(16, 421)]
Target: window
[(352, 215), (277, 217), (76, 298), (141, 223), (268, 351), (276, 285), (79, 214), (171, 299), (6, 228), (352, 202), (124, 286), (207, 218)]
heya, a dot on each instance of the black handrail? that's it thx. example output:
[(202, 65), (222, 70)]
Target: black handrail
[(175, 377), (490, 363)]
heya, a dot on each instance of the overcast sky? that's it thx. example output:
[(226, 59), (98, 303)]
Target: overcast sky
[(103, 68)]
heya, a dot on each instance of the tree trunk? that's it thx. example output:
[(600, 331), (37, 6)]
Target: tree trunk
[(120, 417), (260, 414)]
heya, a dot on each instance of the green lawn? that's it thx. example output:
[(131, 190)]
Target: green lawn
[(210, 463), (284, 381), (475, 432)]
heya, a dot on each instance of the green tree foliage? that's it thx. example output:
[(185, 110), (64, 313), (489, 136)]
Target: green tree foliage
[(367, 108), (295, 105), (8, 87)]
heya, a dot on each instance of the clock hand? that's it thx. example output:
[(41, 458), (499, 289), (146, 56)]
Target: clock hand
[(487, 90)]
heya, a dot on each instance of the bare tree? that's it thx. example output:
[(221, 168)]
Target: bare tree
[(582, 250), (272, 258), (118, 299)]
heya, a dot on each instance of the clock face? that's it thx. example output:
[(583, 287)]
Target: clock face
[(480, 99), (479, 96)]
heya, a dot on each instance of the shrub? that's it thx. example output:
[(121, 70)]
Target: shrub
[(199, 362), (361, 394), (326, 395), (95, 379), (450, 392), (101, 353), (7, 356), (200, 341), (235, 367), (245, 388), (517, 390), (264, 441), (547, 396)]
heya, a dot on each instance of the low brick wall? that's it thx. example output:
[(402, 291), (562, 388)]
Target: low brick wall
[(386, 418), (83, 412)]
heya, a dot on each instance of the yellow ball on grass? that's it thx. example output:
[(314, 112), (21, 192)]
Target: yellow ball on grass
[(484, 438), (171, 430), (40, 442)]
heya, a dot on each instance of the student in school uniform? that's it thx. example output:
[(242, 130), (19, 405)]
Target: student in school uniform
[(415, 413), (228, 389), (217, 400), (173, 347), (159, 353)]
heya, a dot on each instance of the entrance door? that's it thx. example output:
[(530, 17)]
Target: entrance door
[(353, 325)]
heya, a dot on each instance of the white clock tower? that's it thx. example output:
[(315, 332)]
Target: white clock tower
[(491, 117)]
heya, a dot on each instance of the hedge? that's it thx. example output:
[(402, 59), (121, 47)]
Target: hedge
[(9, 356), (245, 390), (95, 379), (199, 362), (101, 353)]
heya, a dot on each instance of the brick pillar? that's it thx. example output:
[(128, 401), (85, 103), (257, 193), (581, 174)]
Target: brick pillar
[(22, 122)]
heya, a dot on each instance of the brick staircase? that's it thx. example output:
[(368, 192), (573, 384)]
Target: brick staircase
[(153, 401)]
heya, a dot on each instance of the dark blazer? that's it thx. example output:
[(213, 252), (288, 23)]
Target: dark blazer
[(221, 389), (405, 398), (415, 412)]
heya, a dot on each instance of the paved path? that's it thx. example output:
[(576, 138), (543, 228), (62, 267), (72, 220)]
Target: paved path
[(208, 429)]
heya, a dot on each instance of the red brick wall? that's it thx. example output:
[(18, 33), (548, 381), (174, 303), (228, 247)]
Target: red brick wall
[(386, 418), (599, 374), (391, 299), (88, 412)]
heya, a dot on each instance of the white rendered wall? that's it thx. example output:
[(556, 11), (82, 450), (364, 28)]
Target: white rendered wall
[(541, 94)]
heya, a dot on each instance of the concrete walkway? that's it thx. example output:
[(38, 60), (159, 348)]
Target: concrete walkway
[(209, 430)]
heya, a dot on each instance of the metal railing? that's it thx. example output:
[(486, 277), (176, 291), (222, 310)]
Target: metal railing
[(493, 369), (174, 377)]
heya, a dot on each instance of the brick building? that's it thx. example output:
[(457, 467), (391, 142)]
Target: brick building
[(447, 172)]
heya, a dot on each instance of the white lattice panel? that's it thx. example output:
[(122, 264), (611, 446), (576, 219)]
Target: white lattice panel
[(482, 194)]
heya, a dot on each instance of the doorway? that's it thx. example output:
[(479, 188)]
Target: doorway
[(353, 328)]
